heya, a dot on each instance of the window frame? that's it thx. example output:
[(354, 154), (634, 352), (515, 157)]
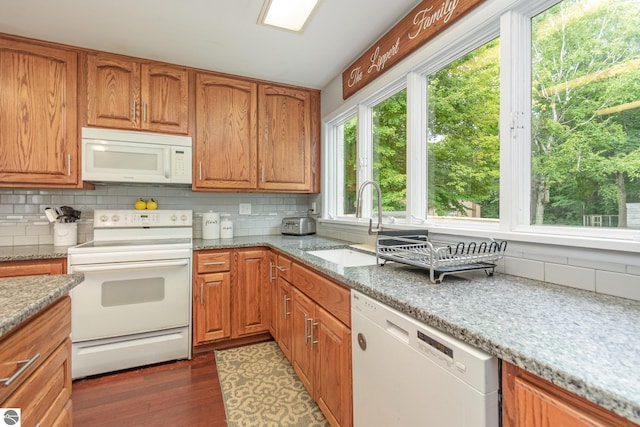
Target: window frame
[(511, 21)]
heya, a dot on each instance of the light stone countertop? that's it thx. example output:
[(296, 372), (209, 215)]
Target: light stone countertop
[(23, 297), (584, 342)]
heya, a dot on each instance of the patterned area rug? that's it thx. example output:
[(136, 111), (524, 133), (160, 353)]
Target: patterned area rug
[(260, 388)]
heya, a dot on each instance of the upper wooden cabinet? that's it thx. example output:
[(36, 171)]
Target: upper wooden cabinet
[(38, 122), (124, 93), (287, 139), (254, 136), (226, 131)]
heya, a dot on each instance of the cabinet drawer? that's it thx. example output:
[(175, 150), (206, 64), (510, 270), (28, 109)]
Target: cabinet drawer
[(284, 268), (212, 262), (44, 394), (33, 268), (39, 336), (333, 297)]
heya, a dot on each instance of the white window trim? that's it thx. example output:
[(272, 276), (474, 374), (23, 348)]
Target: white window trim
[(473, 30)]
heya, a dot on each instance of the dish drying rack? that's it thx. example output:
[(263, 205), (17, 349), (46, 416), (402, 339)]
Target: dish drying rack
[(440, 259)]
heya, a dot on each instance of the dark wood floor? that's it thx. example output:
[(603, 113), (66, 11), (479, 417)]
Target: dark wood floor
[(184, 393)]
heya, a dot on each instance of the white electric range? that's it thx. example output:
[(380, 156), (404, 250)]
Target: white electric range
[(134, 306)]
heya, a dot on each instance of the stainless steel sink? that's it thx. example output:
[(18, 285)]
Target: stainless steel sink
[(345, 257)]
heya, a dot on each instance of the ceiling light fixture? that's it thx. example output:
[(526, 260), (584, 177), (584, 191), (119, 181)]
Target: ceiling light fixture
[(288, 14)]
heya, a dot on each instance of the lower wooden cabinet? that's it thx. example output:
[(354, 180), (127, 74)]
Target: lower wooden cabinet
[(230, 294), (283, 316), (321, 343), (43, 349), (33, 267), (530, 401)]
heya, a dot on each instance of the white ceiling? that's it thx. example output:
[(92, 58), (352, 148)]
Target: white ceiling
[(219, 35)]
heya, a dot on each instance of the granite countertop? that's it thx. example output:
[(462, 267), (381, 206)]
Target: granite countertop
[(584, 342), (23, 297)]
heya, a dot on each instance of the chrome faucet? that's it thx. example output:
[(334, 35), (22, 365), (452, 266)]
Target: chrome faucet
[(359, 206)]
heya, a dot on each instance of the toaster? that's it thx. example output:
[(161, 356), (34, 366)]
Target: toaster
[(298, 226)]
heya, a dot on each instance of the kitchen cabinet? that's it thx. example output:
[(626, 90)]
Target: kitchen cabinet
[(230, 294), (250, 293), (43, 349), (226, 133), (33, 267), (272, 292), (212, 296), (288, 139), (321, 343), (256, 136), (282, 313), (125, 93), (39, 131), (528, 400)]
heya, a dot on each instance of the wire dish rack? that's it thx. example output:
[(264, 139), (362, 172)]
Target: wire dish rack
[(440, 259)]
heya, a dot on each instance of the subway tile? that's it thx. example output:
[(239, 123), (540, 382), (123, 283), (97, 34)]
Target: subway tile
[(13, 199), (12, 229), (575, 277), (621, 285), (524, 268), (25, 240), (6, 241)]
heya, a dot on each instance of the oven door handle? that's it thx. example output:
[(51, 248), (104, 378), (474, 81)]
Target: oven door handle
[(138, 266)]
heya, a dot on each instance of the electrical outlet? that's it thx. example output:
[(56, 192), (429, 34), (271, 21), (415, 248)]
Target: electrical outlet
[(245, 209)]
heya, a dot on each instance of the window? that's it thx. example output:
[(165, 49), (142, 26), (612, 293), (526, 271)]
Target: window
[(525, 119), (464, 148), (348, 161), (585, 128), (389, 153)]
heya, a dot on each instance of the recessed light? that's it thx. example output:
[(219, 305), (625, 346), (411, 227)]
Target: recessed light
[(288, 14)]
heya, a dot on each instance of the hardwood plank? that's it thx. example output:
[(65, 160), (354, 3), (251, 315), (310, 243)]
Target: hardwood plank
[(183, 393)]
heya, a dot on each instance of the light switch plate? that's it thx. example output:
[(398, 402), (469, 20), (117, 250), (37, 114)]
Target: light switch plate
[(245, 209)]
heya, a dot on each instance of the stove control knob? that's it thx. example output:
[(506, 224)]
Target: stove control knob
[(104, 218), (174, 218), (115, 218), (183, 218)]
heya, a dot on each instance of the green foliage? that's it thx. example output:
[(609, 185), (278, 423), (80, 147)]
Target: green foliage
[(585, 60)]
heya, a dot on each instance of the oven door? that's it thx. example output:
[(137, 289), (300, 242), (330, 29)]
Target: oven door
[(128, 298)]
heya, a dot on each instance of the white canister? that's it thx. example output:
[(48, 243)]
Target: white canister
[(211, 225), (65, 233), (226, 229)]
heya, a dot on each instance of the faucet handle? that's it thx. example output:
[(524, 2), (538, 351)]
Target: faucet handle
[(374, 231)]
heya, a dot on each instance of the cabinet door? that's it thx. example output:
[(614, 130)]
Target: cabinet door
[(38, 124), (284, 140), (333, 387), (33, 267), (302, 314), (211, 307), (165, 98), (533, 402), (250, 303), (272, 293), (226, 125), (113, 91), (283, 317)]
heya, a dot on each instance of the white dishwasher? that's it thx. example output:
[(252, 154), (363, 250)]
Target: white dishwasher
[(408, 374)]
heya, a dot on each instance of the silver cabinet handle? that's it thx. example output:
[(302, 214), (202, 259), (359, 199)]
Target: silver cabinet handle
[(311, 337), (144, 111), (307, 336), (201, 293), (25, 365), (262, 173), (200, 171), (134, 110), (286, 312), (271, 276), (69, 164), (215, 263)]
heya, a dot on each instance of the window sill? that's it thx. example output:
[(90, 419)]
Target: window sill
[(602, 239)]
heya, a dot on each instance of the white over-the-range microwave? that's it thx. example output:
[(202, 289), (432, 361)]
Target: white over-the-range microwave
[(110, 155)]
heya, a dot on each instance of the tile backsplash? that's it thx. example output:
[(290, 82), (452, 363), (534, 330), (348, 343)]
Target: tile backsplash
[(22, 219)]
